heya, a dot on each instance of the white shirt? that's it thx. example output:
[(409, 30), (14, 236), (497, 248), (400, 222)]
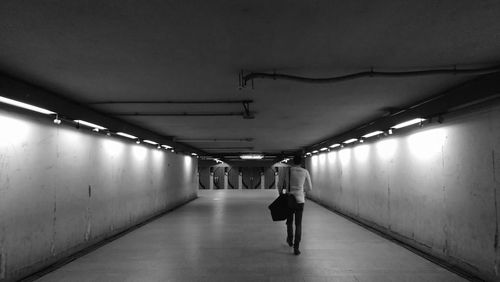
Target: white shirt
[(300, 182)]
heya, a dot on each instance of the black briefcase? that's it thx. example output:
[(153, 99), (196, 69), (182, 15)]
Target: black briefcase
[(284, 205), (280, 208)]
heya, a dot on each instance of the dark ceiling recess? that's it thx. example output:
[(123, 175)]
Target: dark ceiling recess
[(244, 78), (475, 91), (246, 113)]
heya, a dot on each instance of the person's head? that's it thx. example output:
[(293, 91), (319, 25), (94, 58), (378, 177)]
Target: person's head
[(297, 159)]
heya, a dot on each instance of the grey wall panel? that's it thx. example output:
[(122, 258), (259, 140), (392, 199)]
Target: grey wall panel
[(435, 188), (62, 189)]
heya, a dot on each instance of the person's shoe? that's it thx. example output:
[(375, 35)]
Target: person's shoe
[(296, 251), (290, 242)]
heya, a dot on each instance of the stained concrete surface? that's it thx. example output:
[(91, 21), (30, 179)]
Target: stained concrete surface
[(229, 236)]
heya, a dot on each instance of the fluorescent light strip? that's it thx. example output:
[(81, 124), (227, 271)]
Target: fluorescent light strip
[(150, 142), (194, 154), (166, 147), (89, 124), (375, 133), (323, 149), (25, 106), (350, 141), (334, 146), (126, 135), (252, 157), (315, 151), (408, 123)]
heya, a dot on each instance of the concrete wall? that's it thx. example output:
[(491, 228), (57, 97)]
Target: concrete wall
[(436, 188), (62, 189)]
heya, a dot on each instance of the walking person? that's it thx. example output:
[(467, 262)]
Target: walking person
[(300, 182)]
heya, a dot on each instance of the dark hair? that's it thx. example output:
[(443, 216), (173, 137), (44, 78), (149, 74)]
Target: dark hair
[(297, 159)]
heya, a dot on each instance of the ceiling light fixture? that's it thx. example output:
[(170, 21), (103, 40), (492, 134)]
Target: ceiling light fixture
[(166, 147), (408, 123), (350, 141), (89, 124), (126, 135), (335, 145), (375, 133), (26, 106), (150, 142), (323, 149), (252, 157)]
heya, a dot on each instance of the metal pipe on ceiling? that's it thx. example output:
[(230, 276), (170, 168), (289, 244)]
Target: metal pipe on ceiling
[(227, 148), (211, 114), (68, 109), (174, 102), (471, 92), (228, 140), (371, 73)]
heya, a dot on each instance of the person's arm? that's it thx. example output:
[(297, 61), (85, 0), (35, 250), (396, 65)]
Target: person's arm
[(308, 184)]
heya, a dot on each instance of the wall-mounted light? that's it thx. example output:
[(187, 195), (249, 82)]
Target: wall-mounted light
[(352, 140), (158, 147), (126, 135), (375, 133), (89, 124), (408, 123), (361, 140), (150, 142), (252, 157), (57, 120), (137, 141), (389, 131), (26, 106)]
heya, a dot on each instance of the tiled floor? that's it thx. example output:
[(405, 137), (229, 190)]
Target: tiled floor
[(229, 236)]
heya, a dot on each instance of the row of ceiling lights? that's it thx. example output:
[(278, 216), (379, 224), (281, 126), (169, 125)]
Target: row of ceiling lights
[(366, 136), (95, 127)]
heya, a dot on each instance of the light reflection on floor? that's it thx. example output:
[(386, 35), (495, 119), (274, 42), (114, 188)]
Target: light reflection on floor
[(229, 236)]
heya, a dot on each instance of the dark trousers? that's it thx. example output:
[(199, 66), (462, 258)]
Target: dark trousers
[(298, 225)]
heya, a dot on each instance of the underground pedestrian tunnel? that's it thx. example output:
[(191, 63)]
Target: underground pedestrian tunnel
[(144, 141)]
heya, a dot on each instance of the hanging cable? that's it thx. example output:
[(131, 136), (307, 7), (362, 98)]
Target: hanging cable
[(275, 76)]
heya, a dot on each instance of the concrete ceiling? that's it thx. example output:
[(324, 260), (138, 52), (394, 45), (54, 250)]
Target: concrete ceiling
[(93, 51)]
